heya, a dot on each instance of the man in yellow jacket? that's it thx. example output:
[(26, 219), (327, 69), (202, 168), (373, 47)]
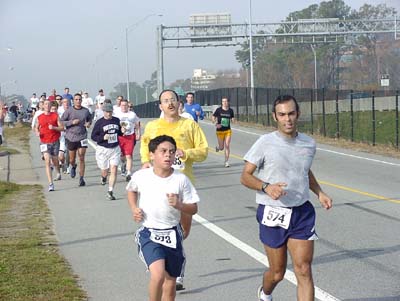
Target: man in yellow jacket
[(191, 144)]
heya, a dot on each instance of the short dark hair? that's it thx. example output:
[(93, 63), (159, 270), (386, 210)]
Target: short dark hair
[(168, 90), (285, 98), (77, 94), (155, 142), (189, 93)]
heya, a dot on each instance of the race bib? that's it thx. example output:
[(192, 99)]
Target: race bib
[(164, 237), (112, 138), (84, 142), (277, 217), (43, 148), (178, 163)]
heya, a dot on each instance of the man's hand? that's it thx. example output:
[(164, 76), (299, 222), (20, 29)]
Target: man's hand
[(146, 165), (138, 214), (75, 121), (87, 124), (106, 136), (275, 191), (179, 153), (325, 200), (173, 200)]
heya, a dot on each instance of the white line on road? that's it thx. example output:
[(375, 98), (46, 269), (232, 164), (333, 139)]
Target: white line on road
[(260, 257), (322, 149)]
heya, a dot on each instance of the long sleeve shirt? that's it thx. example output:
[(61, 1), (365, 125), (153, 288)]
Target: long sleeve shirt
[(75, 132), (188, 135), (111, 127)]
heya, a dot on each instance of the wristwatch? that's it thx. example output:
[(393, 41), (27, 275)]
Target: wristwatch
[(264, 187)]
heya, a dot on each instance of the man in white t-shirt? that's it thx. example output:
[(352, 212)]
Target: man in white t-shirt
[(131, 124), (100, 98), (282, 162), (87, 102), (116, 107), (34, 103)]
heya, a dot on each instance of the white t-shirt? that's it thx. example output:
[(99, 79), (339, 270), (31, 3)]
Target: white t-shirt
[(87, 102), (128, 120), (35, 118), (282, 159), (99, 99), (152, 196), (34, 102), (98, 113)]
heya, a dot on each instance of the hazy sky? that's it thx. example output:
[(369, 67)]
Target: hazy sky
[(81, 43)]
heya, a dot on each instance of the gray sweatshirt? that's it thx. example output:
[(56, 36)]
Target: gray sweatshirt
[(75, 133)]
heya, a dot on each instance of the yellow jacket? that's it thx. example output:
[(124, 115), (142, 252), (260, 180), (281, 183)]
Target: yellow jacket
[(188, 135)]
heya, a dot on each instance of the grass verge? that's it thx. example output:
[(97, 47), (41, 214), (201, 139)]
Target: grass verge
[(31, 267)]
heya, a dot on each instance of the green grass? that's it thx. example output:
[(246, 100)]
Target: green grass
[(385, 127), (31, 267)]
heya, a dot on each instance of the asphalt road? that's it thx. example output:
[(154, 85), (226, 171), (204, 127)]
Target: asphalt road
[(356, 258)]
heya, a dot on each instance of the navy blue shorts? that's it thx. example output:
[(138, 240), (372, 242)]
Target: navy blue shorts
[(301, 226), (150, 251)]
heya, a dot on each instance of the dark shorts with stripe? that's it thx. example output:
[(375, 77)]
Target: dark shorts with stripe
[(302, 226), (150, 251)]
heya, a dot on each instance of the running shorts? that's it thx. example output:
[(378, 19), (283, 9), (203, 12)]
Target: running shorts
[(301, 226)]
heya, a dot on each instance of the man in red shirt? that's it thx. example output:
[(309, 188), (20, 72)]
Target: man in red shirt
[(48, 130), (53, 95)]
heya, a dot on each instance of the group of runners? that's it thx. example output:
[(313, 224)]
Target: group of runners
[(277, 167), (63, 132)]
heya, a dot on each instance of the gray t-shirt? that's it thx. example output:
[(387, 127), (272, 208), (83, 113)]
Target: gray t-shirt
[(282, 159), (75, 133)]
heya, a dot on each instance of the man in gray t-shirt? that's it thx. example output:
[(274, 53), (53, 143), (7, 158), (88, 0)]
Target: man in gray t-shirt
[(76, 120), (286, 217)]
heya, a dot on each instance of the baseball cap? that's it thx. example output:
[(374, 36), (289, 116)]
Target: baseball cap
[(108, 107)]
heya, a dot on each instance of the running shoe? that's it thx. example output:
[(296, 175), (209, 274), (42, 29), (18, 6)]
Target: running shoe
[(110, 196), (51, 187), (259, 293), (82, 182), (227, 164), (58, 177), (128, 177), (103, 180), (73, 171), (123, 169), (217, 149), (179, 284)]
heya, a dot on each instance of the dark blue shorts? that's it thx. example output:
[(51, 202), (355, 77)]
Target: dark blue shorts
[(302, 226), (150, 251)]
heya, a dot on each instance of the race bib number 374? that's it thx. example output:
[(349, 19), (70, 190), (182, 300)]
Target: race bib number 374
[(277, 217)]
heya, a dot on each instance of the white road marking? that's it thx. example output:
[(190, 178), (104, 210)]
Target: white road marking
[(323, 149), (260, 257)]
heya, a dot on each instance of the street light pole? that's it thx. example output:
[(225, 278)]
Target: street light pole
[(127, 29), (251, 62), (315, 70)]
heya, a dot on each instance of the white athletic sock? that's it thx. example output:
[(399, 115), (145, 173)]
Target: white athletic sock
[(265, 297), (110, 189)]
